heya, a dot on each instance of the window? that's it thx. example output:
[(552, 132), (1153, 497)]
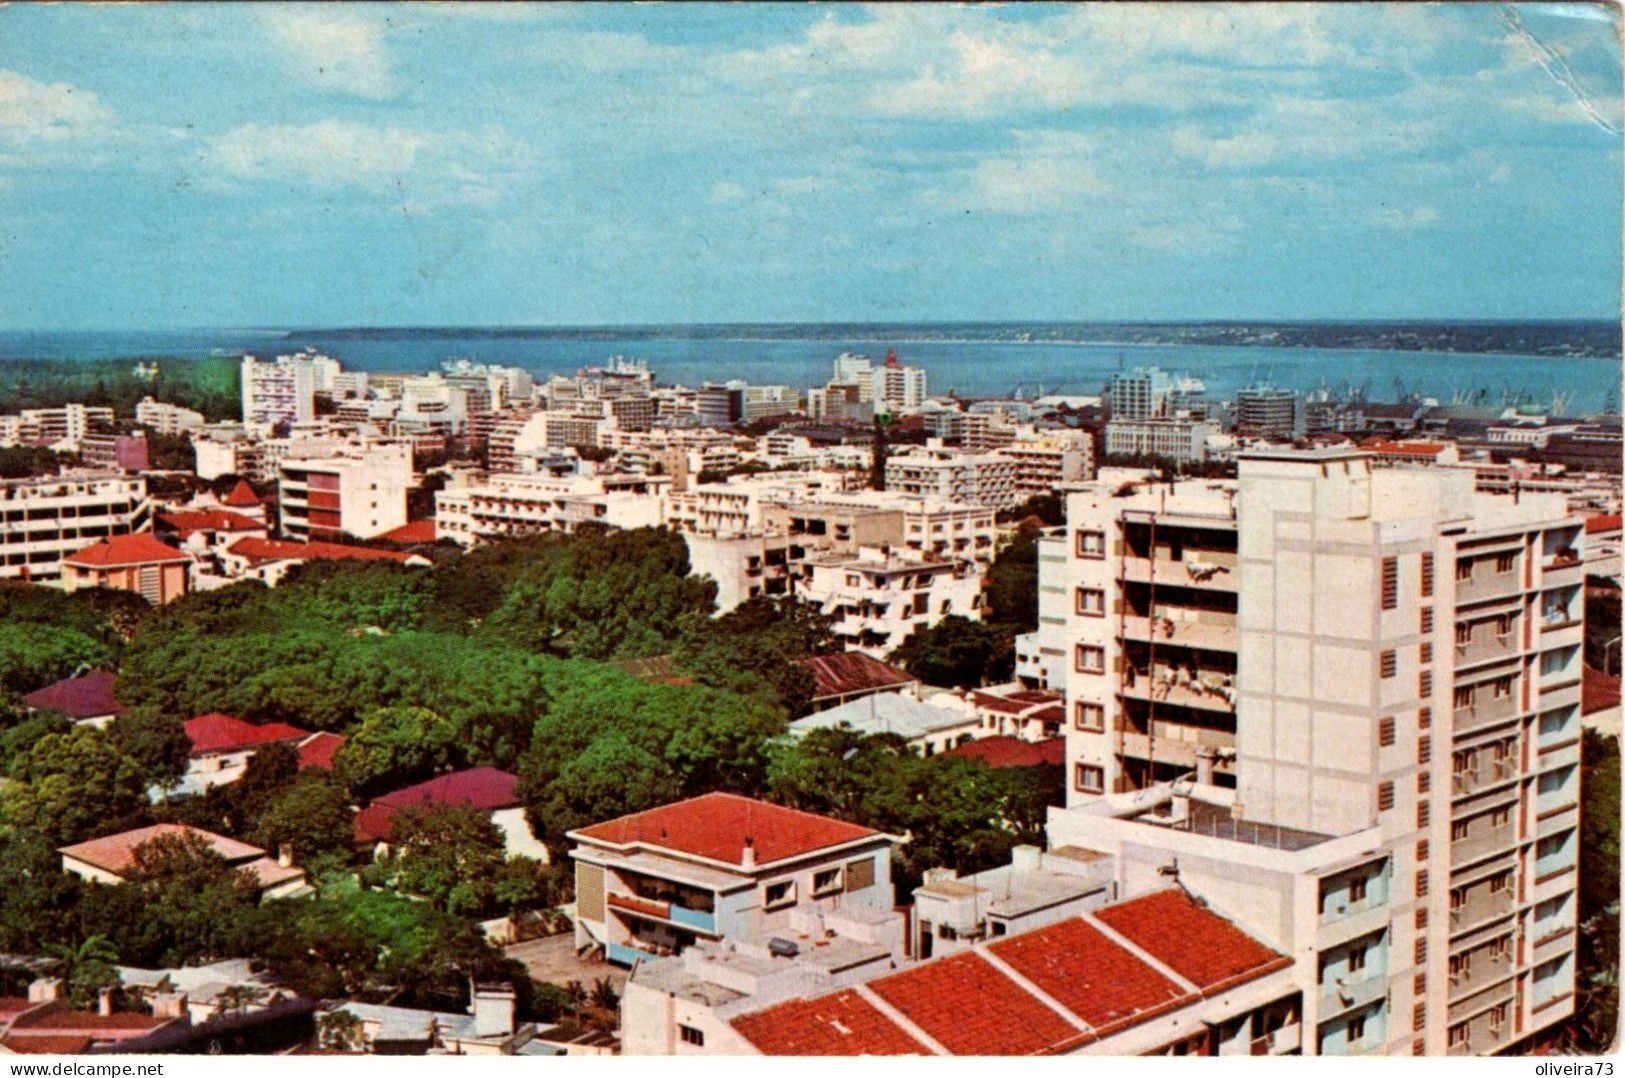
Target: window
[(778, 894), (1502, 687), (1089, 779), (1421, 918), (1505, 561), (1385, 731), (1385, 796), (1464, 569), (1461, 966), (1465, 695), (827, 881), (1458, 898), (1498, 1017), (1424, 683), (1424, 719), (1090, 602), (1427, 577), (693, 1036), (1422, 882), (1089, 659), (1356, 959), (1424, 781), (1419, 984), (1390, 583), (1503, 624), (1501, 817), (860, 875), (1356, 1029), (1458, 830), (1464, 762), (1419, 1046), (1424, 749), (1089, 716), (1424, 814), (1390, 663), (1425, 653), (1357, 889), (1421, 950), (1500, 883), (1422, 850), (1464, 634), (1427, 619), (1091, 544), (1458, 1036)]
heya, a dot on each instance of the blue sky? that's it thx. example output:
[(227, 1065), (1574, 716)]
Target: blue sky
[(272, 165)]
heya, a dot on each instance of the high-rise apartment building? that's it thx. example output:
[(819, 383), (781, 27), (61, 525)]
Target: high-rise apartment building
[(1271, 414), (279, 391), (1344, 709), (44, 520), (360, 492), (953, 475)]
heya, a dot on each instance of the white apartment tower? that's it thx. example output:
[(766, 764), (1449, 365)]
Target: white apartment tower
[(278, 391), (1398, 799)]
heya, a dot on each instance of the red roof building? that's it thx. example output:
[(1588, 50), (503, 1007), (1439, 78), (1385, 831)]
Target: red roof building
[(412, 533), (484, 789), (1602, 524), (87, 698), (722, 827), (111, 858), (138, 563), (210, 525), (1069, 985), (1004, 751), (850, 675), (1599, 692), (215, 734), (318, 750), (242, 496)]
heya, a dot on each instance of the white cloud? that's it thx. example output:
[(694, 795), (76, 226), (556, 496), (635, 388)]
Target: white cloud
[(1394, 217), (1247, 149), (415, 168), (1045, 172), (331, 48), (727, 192), (34, 112)]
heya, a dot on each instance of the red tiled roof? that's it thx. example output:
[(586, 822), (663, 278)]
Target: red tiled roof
[(1409, 449), (242, 496), (267, 550), (138, 549), (1598, 691), (116, 853), (55, 1019), (1194, 942), (317, 750), (842, 1024), (88, 696), (412, 532), (481, 788), (215, 732), (208, 520), (971, 1009), (12, 1005), (1003, 751), (1608, 523), (852, 671), (1105, 985), (717, 826)]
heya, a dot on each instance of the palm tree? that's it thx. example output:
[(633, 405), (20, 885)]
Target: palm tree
[(85, 969)]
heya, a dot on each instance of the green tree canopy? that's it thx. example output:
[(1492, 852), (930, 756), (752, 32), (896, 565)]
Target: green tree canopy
[(955, 652), (73, 785)]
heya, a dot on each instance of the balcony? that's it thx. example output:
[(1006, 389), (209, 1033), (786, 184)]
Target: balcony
[(1565, 567), (1336, 998), (1280, 1042), (622, 955), (1488, 584), (1177, 745), (1484, 972), (1208, 691), (1479, 909), (1551, 944), (1487, 710), (1212, 632), (663, 910), (1482, 846), (1487, 645), (1488, 774), (1210, 570)]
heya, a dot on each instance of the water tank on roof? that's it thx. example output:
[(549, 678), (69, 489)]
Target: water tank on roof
[(782, 948)]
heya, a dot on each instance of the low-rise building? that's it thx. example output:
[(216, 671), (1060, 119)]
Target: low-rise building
[(88, 698), (952, 913), (136, 563), (223, 745), (880, 596), (167, 419), (1174, 439), (481, 508), (719, 867), (489, 1028), (112, 859), (482, 789), (207, 531), (115, 452), (269, 560), (928, 726), (852, 675)]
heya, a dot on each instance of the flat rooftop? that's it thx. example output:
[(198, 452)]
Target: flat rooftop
[(1215, 821)]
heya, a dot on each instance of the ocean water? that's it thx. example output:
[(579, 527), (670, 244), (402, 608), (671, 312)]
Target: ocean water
[(967, 367)]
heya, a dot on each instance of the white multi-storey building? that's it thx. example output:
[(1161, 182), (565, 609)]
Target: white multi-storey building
[(279, 391), (360, 490), (953, 475), (44, 520), (65, 425), (472, 510), (1045, 461), (880, 596), (167, 419), (1174, 438), (1381, 671)]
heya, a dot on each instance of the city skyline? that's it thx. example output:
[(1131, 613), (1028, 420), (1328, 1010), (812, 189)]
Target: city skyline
[(294, 165)]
